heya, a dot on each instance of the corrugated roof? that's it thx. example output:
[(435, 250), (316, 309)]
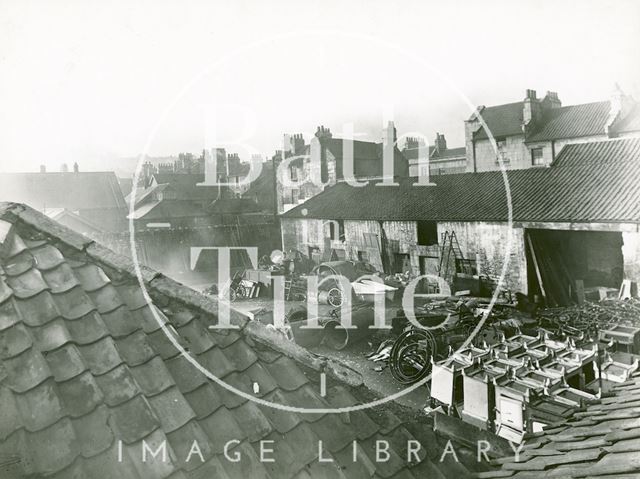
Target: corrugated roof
[(502, 120), (601, 441), (73, 191), (572, 122), (84, 364), (589, 182)]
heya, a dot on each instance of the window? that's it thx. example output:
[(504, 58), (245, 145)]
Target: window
[(427, 233), (294, 173), (536, 157), (501, 156), (339, 234)]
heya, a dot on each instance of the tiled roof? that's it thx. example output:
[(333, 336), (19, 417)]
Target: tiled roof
[(601, 441), (84, 365), (572, 122), (589, 182), (73, 191), (502, 120)]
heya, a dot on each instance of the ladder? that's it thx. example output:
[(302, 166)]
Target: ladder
[(450, 246)]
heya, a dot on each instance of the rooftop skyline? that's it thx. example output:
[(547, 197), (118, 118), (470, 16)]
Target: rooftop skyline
[(91, 86)]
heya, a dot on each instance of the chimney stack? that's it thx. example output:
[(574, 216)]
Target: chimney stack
[(441, 143), (551, 100), (76, 168), (531, 110), (323, 132), (619, 106), (390, 134), (411, 142), (64, 168), (296, 144)]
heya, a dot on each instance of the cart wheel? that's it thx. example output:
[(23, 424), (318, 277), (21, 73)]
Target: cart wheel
[(335, 297), (243, 293), (232, 295)]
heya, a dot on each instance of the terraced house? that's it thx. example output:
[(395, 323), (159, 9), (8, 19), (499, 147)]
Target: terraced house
[(534, 131)]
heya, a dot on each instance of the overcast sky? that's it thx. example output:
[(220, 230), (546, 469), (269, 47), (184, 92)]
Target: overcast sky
[(89, 81)]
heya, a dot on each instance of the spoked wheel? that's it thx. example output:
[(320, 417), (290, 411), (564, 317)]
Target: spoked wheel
[(335, 298), (410, 359), (232, 295)]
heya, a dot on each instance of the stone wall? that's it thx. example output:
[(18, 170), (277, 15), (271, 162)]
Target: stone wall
[(515, 155), (487, 243), (402, 237), (631, 255)]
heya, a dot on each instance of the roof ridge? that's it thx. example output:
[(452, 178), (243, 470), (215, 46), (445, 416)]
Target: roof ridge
[(163, 286)]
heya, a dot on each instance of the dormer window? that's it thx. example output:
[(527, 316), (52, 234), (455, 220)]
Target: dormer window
[(537, 157)]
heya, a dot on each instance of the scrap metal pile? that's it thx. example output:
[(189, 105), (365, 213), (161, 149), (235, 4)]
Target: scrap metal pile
[(591, 317), (448, 325), (509, 382)]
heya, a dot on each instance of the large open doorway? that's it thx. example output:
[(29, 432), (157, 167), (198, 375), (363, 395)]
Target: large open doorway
[(557, 259)]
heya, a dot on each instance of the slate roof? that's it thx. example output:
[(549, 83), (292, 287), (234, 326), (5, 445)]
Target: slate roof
[(449, 153), (589, 182), (83, 364), (572, 122), (603, 440), (168, 210), (502, 120), (262, 189), (367, 158), (73, 191), (414, 153), (238, 168), (186, 186), (232, 206)]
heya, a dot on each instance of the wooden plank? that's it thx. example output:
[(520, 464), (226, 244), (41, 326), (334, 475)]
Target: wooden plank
[(535, 264), (580, 291)]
